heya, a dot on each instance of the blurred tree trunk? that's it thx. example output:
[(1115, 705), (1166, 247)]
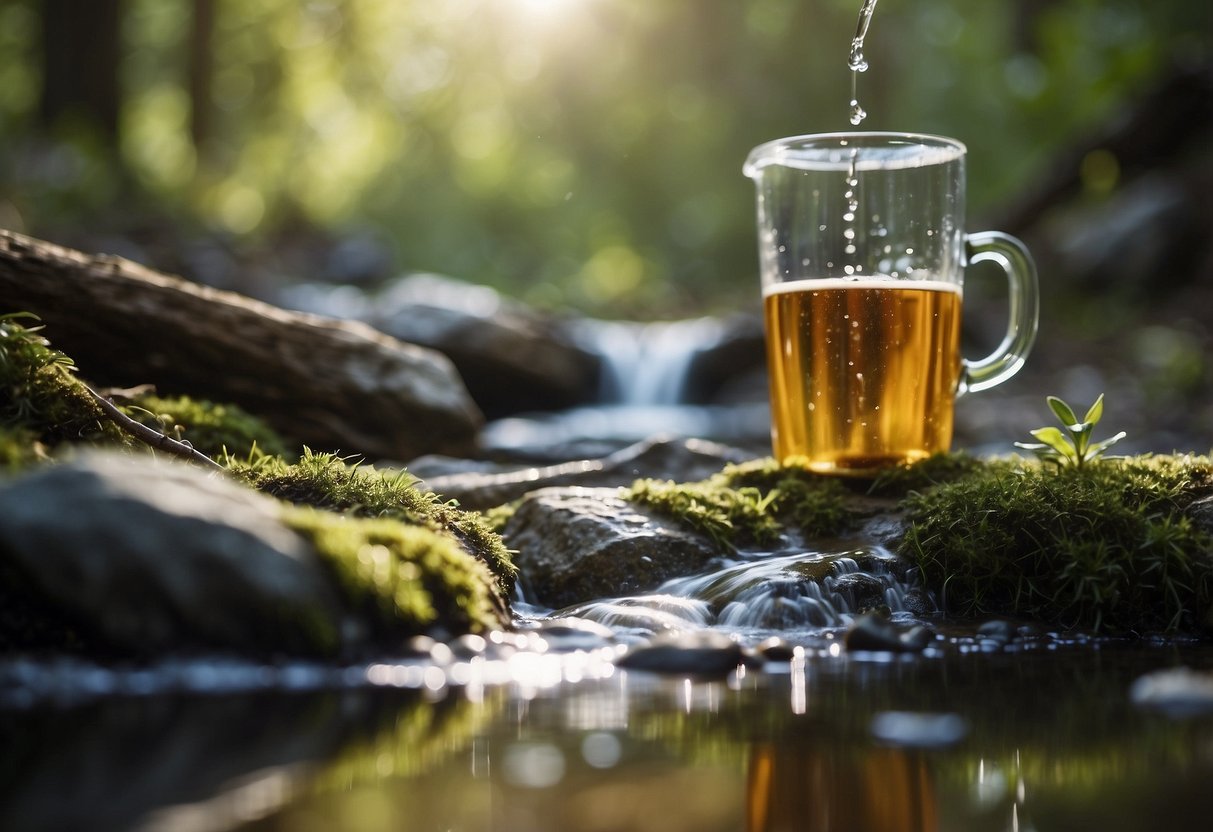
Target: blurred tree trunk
[(201, 69), (80, 56)]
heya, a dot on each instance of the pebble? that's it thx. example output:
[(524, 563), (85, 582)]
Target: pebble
[(874, 633), (691, 653), (1177, 692)]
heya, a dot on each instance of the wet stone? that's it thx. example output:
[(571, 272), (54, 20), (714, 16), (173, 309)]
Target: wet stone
[(1177, 692), (997, 630), (862, 591), (776, 649), (694, 653), (874, 633), (569, 634)]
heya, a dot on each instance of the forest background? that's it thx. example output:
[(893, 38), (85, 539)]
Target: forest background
[(578, 154)]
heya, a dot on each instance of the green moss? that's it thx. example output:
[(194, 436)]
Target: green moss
[(402, 579), (927, 473), (19, 448), (752, 503), (324, 481), (1105, 546), (217, 430), (40, 397)]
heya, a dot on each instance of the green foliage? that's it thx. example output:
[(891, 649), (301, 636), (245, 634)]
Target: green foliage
[(752, 503), (401, 578), (214, 429), (1105, 546), (1073, 447), (327, 482), (41, 400), (342, 114)]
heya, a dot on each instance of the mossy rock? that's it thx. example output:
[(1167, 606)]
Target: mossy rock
[(327, 482), (221, 431), (42, 403), (402, 580), (1109, 546)]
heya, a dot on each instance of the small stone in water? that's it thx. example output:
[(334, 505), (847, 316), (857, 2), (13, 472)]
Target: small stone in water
[(1177, 692), (775, 649), (874, 633), (697, 653), (997, 630)]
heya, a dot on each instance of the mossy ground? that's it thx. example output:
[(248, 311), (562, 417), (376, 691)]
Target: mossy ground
[(325, 481), (42, 403), (751, 504), (405, 559), (1107, 546), (218, 430), (402, 579)]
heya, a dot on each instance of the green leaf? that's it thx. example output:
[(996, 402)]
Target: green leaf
[(1096, 412), (1099, 447), (1062, 410), (1081, 436), (1056, 440)]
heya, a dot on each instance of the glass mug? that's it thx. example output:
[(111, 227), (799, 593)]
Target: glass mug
[(862, 254)]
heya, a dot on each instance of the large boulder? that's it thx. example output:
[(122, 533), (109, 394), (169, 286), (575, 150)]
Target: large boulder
[(580, 544), (141, 556), (512, 358)]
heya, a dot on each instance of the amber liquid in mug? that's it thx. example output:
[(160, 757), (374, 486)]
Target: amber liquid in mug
[(863, 371)]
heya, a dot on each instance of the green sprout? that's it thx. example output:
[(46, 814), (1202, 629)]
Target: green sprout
[(1074, 446)]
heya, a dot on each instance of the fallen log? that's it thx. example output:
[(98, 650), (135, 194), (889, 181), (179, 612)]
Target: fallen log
[(333, 385)]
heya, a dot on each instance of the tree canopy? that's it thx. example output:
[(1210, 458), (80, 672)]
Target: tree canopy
[(570, 152)]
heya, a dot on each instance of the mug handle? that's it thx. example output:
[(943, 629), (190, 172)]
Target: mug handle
[(1008, 357)]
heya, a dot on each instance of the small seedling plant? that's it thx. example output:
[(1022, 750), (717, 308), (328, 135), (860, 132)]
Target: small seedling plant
[(1070, 445)]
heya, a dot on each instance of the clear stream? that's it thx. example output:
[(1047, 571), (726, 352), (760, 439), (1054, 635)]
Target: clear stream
[(543, 732)]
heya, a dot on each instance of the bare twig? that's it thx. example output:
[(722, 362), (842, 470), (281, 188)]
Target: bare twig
[(151, 437)]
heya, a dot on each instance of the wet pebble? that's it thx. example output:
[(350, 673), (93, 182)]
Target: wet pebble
[(695, 653), (569, 634), (874, 633), (918, 602), (1177, 692), (998, 631), (775, 649)]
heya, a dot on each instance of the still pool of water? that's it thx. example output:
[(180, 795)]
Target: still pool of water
[(1040, 737)]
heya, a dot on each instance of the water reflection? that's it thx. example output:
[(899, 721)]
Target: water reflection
[(1036, 740)]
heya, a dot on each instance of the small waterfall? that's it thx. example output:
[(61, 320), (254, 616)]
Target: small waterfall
[(799, 592), (646, 364)]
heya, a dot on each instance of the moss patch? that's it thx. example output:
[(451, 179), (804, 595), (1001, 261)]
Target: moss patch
[(1108, 546), (402, 579), (41, 400), (936, 469), (218, 430), (753, 503), (325, 481)]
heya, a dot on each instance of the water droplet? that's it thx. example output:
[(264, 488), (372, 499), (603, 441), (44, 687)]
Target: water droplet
[(858, 114)]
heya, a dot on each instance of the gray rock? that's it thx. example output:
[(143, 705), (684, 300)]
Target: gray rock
[(149, 555), (511, 357), (682, 460), (580, 544), (693, 653), (873, 633), (1178, 692)]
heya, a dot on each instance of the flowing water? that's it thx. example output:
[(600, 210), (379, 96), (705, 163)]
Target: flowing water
[(541, 729)]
